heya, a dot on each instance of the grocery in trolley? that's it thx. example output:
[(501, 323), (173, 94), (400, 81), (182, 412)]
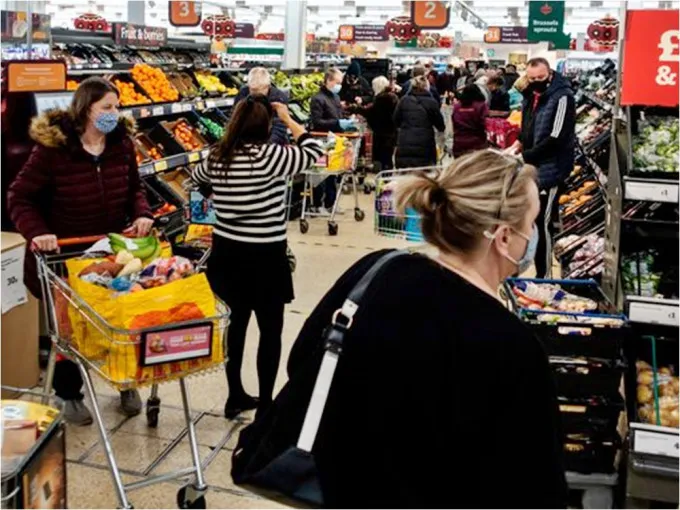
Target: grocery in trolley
[(342, 155), (135, 315)]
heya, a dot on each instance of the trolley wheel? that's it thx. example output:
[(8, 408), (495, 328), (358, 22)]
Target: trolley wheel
[(153, 408), (184, 496), (359, 215), (304, 226), (332, 228)]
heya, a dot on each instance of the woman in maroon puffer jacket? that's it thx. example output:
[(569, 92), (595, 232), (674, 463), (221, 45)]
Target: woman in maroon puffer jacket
[(81, 179), (469, 121)]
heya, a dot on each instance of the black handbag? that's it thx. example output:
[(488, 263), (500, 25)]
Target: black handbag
[(274, 455)]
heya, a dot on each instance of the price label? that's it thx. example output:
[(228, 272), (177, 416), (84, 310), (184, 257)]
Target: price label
[(158, 110), (210, 103), (200, 105), (229, 101), (141, 113), (78, 66), (656, 443), (194, 157), (95, 66), (652, 191), (653, 313), (176, 108), (187, 107), (205, 153), (160, 166), (146, 169)]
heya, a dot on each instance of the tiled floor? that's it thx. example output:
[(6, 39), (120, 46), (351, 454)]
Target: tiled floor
[(142, 451)]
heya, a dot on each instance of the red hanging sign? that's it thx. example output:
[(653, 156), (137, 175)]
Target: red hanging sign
[(651, 58)]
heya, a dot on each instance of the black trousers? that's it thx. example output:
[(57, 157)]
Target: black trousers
[(326, 191), (270, 322), (546, 230), (67, 382)]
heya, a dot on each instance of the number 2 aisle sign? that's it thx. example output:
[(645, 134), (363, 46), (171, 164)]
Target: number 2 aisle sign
[(650, 58), (430, 14)]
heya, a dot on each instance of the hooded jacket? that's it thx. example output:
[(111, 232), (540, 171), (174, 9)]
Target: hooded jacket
[(62, 190), (416, 116), (361, 88), (548, 138), (326, 111)]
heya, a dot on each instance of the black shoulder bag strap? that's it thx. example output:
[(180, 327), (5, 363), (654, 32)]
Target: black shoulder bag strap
[(341, 323)]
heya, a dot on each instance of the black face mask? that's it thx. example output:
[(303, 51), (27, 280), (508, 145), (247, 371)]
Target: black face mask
[(539, 86)]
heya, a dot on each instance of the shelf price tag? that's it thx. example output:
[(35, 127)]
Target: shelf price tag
[(210, 103), (187, 107), (656, 443), (205, 153), (653, 313), (200, 105), (160, 166), (652, 191), (146, 169), (194, 157), (229, 101), (176, 108), (158, 110)]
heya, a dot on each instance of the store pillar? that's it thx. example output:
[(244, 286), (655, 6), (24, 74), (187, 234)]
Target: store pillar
[(136, 12), (294, 51)]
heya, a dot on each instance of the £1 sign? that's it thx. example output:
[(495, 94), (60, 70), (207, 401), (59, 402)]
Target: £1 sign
[(651, 58)]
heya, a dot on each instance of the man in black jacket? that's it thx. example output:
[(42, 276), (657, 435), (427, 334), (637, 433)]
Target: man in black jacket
[(355, 88), (547, 141), (326, 116)]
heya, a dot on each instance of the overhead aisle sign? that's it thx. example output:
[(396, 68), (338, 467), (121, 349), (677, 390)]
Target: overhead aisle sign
[(546, 23), (651, 56), (184, 14), (430, 14)]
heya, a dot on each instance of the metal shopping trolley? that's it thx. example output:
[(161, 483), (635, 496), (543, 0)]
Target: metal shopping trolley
[(128, 359), (33, 475), (388, 221), (336, 162)]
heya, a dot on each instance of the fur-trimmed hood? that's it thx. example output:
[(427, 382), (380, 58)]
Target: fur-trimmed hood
[(55, 128)]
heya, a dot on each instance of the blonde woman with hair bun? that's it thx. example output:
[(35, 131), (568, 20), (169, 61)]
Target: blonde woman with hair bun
[(442, 398)]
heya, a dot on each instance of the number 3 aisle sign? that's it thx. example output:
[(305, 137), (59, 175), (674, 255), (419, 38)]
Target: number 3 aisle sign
[(184, 14), (429, 14), (650, 58)]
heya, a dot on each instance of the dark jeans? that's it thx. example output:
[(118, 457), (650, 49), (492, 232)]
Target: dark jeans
[(67, 382), (328, 191), (270, 322), (546, 230)]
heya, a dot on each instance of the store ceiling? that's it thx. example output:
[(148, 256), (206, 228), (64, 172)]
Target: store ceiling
[(324, 16)]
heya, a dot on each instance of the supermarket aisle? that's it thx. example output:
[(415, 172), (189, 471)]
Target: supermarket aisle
[(142, 451)]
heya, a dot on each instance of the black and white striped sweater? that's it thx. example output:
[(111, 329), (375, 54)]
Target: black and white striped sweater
[(249, 194)]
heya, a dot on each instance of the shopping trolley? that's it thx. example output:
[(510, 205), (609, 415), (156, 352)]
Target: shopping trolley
[(122, 351), (36, 477), (388, 221), (343, 164)]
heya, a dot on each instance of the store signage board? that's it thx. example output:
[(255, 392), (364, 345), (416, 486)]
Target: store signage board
[(507, 35), (36, 76), (430, 14), (184, 14), (351, 33), (651, 56), (652, 191), (14, 27), (128, 34), (546, 23), (177, 344), (244, 30)]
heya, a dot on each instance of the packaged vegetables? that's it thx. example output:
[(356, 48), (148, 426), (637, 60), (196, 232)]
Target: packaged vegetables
[(638, 275), (655, 148), (667, 390)]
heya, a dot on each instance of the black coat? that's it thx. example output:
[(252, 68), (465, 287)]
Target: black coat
[(380, 118), (416, 116), (326, 111), (360, 89)]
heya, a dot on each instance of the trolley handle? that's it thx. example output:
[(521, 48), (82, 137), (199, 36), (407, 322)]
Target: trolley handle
[(345, 135)]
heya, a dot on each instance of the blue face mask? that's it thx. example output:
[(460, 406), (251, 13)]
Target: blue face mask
[(106, 122), (335, 89), (529, 252)]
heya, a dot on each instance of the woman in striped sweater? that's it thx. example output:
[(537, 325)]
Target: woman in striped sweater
[(248, 267)]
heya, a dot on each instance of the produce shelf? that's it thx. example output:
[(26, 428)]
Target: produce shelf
[(159, 110), (175, 161), (647, 310), (651, 190)]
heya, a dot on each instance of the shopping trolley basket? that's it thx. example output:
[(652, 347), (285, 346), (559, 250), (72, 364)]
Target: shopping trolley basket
[(342, 163), (388, 221), (130, 358)]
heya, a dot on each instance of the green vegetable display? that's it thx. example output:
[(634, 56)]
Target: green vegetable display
[(655, 148), (639, 277), (302, 86), (213, 127)]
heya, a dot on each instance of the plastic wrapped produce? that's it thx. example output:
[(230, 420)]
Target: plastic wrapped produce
[(655, 148)]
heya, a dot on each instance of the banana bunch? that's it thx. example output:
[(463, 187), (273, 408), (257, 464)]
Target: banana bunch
[(144, 248)]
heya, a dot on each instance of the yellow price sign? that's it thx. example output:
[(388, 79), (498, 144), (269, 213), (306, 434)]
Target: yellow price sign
[(194, 157), (160, 166)]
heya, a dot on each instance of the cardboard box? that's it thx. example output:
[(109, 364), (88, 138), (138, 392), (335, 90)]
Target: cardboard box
[(20, 320)]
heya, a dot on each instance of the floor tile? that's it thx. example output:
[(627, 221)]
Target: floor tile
[(180, 458), (218, 499), (171, 423), (212, 430), (132, 452), (80, 439), (93, 488)]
